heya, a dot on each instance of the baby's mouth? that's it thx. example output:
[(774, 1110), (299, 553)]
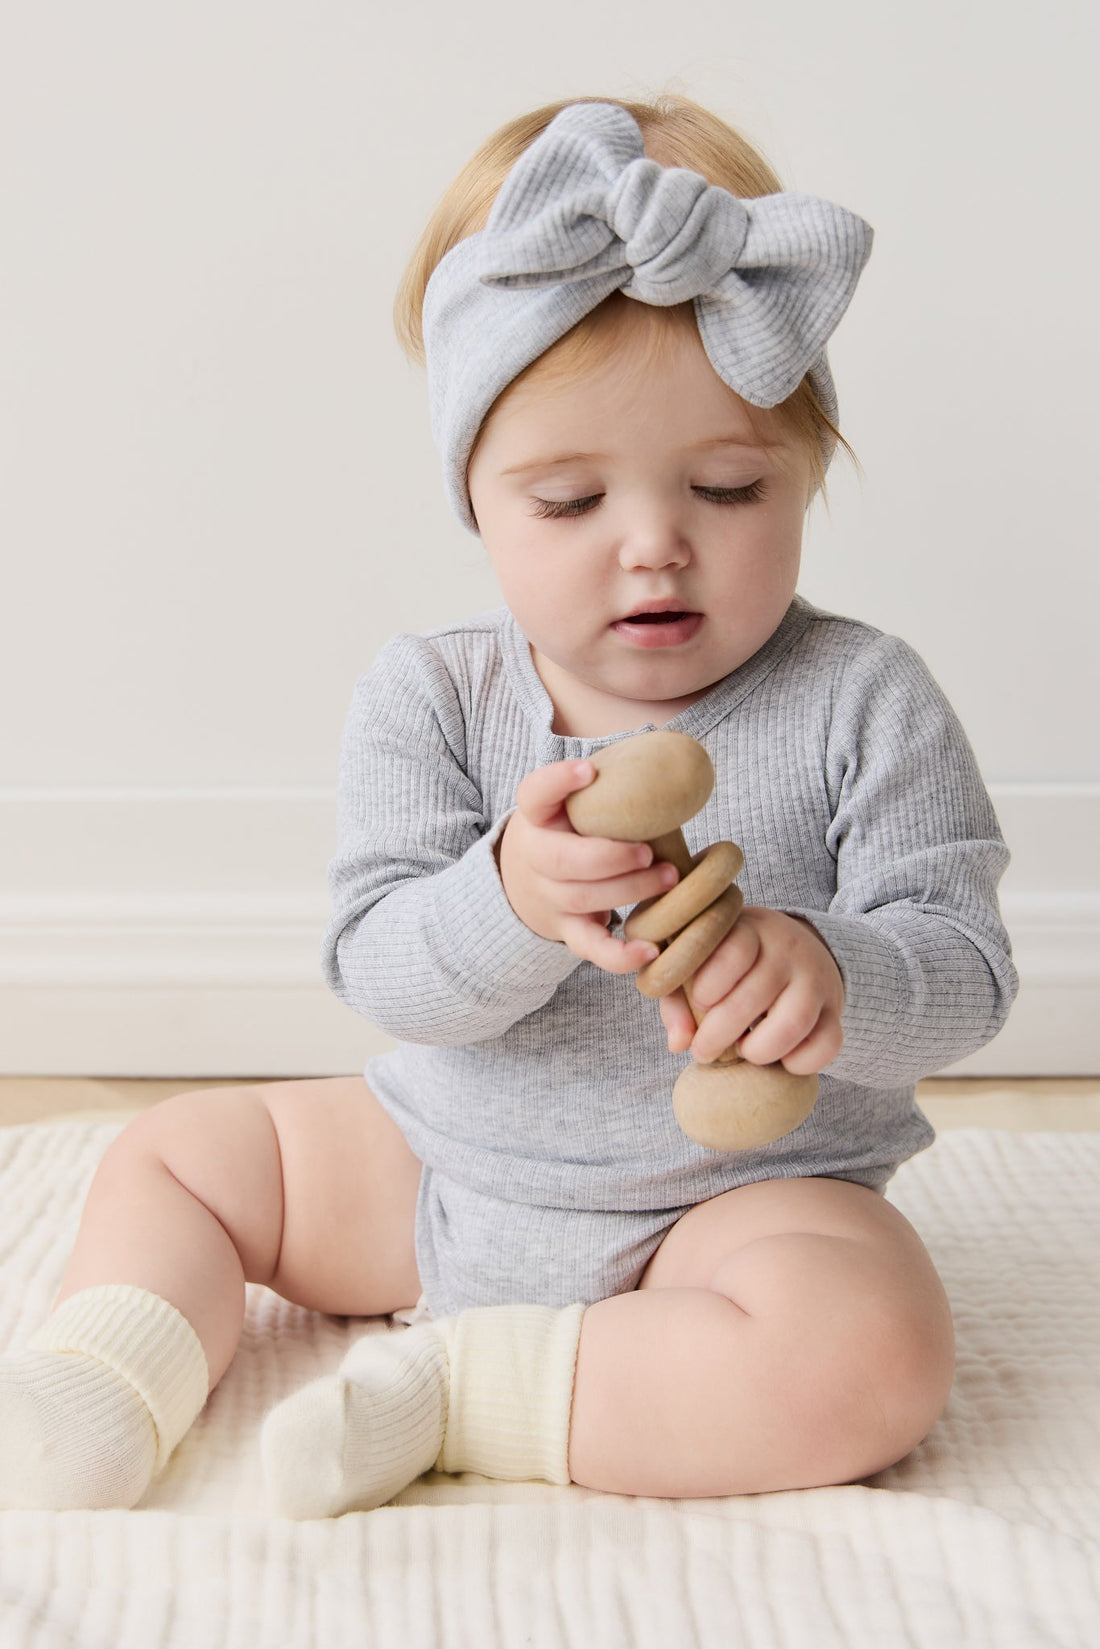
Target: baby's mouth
[(658, 612), (658, 626)]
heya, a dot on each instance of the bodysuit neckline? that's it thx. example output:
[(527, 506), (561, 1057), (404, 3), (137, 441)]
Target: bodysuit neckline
[(697, 720)]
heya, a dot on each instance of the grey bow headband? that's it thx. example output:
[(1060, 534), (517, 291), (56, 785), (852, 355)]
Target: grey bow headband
[(584, 213)]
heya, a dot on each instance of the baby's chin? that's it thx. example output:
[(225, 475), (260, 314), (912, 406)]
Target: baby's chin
[(596, 703)]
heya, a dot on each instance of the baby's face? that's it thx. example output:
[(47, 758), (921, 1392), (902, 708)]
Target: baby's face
[(629, 494)]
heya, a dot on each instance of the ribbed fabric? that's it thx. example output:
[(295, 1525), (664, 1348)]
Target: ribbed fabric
[(490, 1391), (145, 1341), (511, 1391), (74, 1436), (584, 212), (536, 1088)]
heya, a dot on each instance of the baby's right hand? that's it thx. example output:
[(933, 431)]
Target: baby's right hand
[(564, 886)]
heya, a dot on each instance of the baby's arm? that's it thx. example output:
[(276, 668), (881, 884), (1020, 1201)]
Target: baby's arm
[(909, 968), (914, 926), (423, 941)]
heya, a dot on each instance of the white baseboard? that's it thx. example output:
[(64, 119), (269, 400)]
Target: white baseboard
[(1050, 900), (176, 933), (140, 1030), (1054, 1026)]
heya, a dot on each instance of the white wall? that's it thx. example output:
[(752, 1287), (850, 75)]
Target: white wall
[(218, 494)]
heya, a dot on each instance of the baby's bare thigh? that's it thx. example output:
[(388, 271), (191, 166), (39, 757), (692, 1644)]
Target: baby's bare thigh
[(704, 1239), (840, 1284), (349, 1198)]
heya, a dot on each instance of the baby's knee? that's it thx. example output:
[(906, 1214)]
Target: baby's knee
[(220, 1146), (891, 1379), (911, 1369), (194, 1128), (860, 1342)]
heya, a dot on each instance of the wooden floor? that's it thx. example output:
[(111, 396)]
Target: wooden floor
[(1071, 1104)]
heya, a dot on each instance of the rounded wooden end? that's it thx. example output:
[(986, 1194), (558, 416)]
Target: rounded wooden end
[(737, 1107), (644, 787)]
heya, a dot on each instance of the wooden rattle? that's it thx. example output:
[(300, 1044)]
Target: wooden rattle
[(645, 788)]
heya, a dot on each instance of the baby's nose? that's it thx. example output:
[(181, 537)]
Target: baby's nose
[(654, 538)]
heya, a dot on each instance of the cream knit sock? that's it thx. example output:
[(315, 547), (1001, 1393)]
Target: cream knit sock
[(489, 1391), (93, 1407)]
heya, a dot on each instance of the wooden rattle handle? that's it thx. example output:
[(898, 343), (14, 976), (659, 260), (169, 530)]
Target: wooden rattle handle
[(646, 788)]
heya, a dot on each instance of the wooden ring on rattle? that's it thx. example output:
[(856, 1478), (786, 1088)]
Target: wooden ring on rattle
[(687, 952), (712, 872)]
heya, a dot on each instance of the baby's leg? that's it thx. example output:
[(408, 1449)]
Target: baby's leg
[(788, 1334), (307, 1187)]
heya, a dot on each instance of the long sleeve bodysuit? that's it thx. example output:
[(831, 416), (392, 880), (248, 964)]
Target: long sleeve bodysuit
[(536, 1088)]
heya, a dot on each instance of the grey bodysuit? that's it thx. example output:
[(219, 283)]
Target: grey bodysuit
[(536, 1088)]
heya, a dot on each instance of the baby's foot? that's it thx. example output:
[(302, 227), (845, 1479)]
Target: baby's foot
[(354, 1440), (73, 1434)]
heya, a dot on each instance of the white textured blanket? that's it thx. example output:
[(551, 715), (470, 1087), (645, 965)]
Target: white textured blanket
[(987, 1535)]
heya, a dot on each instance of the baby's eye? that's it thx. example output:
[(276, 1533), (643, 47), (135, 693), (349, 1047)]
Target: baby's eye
[(555, 508), (732, 495)]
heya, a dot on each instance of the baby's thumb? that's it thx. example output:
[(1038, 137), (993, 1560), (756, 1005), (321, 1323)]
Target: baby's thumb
[(541, 794)]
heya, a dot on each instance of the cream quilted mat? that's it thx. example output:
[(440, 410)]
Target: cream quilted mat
[(987, 1535)]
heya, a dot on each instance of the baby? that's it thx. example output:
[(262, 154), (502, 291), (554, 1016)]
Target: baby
[(624, 321)]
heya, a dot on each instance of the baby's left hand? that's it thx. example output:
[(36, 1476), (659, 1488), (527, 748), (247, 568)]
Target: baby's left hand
[(772, 968)]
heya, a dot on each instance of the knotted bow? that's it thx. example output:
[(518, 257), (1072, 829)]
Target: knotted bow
[(583, 213)]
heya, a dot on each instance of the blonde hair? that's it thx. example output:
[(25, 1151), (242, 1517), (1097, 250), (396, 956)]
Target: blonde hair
[(677, 132)]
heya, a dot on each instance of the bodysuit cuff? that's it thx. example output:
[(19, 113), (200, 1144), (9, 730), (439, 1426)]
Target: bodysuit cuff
[(500, 952), (876, 988)]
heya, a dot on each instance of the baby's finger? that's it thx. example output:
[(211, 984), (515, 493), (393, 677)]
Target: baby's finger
[(728, 1022), (541, 794), (678, 1020), (789, 1020), (589, 939), (727, 965), (564, 856), (816, 1050), (580, 898)]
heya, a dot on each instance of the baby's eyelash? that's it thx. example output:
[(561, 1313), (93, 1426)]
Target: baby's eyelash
[(733, 495), (558, 509)]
